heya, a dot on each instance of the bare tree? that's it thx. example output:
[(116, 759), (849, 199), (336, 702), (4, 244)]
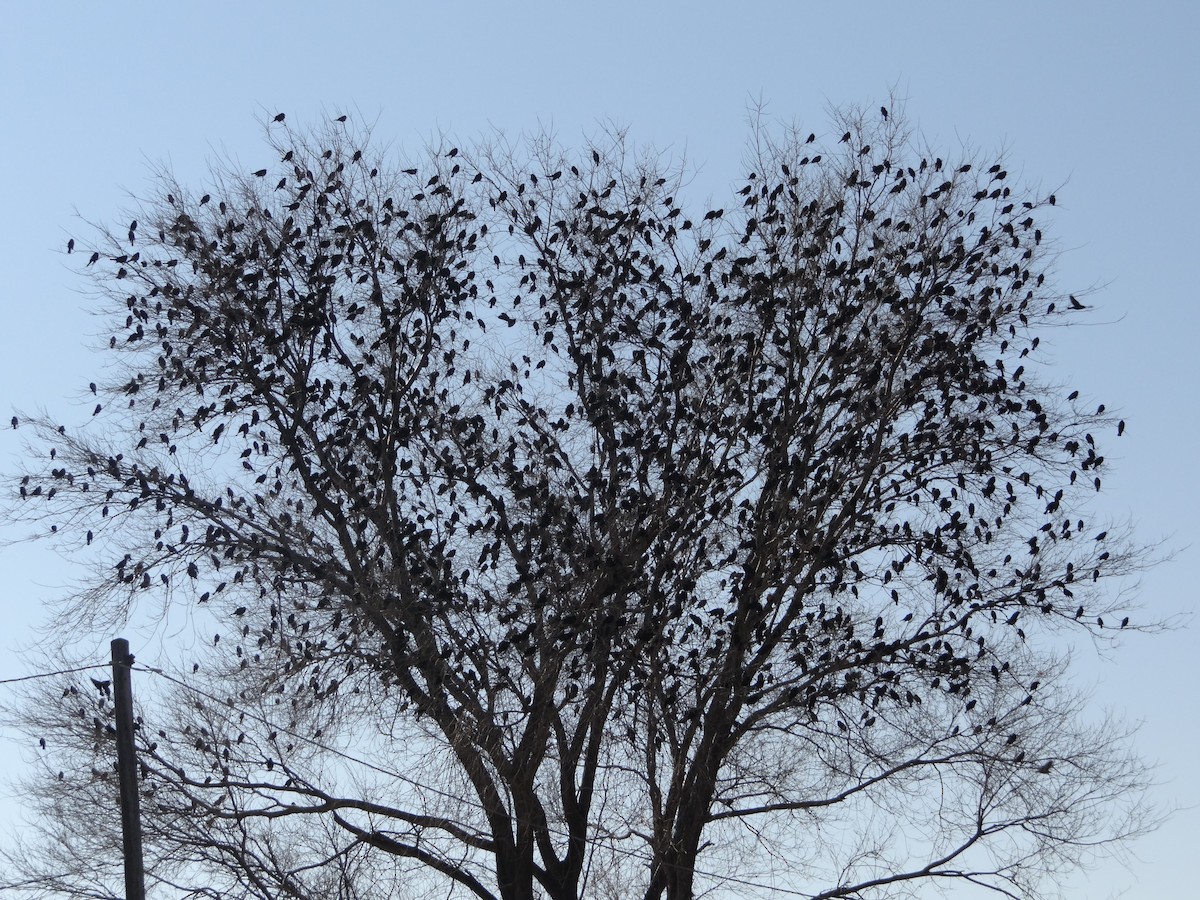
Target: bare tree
[(560, 543)]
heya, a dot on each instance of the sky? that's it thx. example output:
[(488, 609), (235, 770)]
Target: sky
[(1096, 101)]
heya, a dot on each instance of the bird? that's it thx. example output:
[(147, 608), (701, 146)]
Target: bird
[(205, 199), (845, 137), (92, 385), (1044, 768), (1120, 428), (71, 245), (1125, 622), (104, 687), (1075, 304), (95, 258), (341, 118), (15, 422), (280, 117), (42, 742), (260, 173), (883, 112)]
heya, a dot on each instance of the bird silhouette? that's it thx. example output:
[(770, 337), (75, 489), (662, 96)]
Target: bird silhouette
[(279, 118), (70, 245), (1075, 304), (95, 257), (883, 112), (845, 137)]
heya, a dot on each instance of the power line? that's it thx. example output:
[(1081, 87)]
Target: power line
[(38, 675), (458, 798), (227, 703)]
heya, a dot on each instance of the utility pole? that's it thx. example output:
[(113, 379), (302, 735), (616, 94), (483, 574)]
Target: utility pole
[(131, 819)]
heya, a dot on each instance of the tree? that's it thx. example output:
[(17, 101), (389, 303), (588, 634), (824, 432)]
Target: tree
[(562, 542)]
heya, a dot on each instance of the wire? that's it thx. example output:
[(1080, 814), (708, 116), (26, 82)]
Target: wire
[(458, 798), (37, 675)]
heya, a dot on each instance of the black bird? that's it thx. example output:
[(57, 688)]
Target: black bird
[(1125, 622), (42, 742), (279, 118), (845, 137), (1075, 304), (883, 112), (1044, 768), (95, 258), (92, 385), (205, 199), (260, 173), (104, 687), (1120, 428), (70, 245), (341, 118), (15, 422)]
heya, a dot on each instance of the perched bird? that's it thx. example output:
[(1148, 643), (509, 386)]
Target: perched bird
[(845, 137), (205, 199), (95, 258), (1120, 428), (15, 422), (341, 118), (279, 118), (260, 173), (92, 385), (883, 112), (71, 245)]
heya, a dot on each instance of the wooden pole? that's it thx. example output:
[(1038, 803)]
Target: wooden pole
[(131, 820)]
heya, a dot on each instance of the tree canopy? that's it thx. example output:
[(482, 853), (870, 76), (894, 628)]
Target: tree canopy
[(552, 538)]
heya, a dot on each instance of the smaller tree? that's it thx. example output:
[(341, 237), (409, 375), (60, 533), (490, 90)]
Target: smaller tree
[(558, 541)]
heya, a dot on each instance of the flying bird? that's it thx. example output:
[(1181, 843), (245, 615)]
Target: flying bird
[(1075, 304)]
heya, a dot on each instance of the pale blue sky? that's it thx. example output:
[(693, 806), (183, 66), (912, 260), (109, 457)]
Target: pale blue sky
[(1097, 100)]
